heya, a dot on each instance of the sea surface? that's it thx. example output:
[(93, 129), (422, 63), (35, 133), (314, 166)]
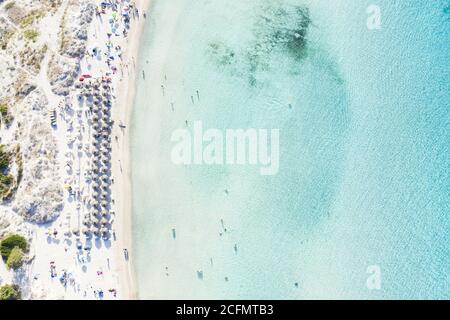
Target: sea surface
[(363, 182)]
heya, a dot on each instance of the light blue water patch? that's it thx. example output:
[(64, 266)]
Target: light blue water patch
[(363, 178)]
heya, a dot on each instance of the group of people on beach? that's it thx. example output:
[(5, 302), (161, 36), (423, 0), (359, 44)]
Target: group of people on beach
[(89, 125)]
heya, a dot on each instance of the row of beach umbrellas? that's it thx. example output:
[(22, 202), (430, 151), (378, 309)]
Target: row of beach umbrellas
[(97, 221)]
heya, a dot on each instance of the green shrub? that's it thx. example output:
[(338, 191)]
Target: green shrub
[(9, 292), (5, 115), (15, 259), (3, 109), (31, 34), (7, 183), (9, 243), (5, 179), (5, 158)]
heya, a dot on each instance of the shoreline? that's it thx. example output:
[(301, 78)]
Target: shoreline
[(121, 158)]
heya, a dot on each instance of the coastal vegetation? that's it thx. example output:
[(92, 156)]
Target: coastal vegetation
[(31, 18), (15, 259), (31, 34), (19, 162), (63, 36), (6, 35), (22, 86), (4, 159), (9, 292), (32, 57), (9, 182), (9, 243), (21, 16), (5, 115), (5, 178)]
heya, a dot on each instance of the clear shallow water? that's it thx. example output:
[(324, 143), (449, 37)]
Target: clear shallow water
[(363, 180)]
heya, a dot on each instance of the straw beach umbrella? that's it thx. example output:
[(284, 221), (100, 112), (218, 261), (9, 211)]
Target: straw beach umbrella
[(87, 232), (96, 222)]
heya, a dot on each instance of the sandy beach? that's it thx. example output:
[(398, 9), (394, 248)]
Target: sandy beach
[(73, 203), (121, 161)]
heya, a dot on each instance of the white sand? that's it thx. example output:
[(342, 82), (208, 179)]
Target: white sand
[(103, 267), (121, 161)]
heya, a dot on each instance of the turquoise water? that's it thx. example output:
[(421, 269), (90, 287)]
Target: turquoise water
[(363, 179)]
